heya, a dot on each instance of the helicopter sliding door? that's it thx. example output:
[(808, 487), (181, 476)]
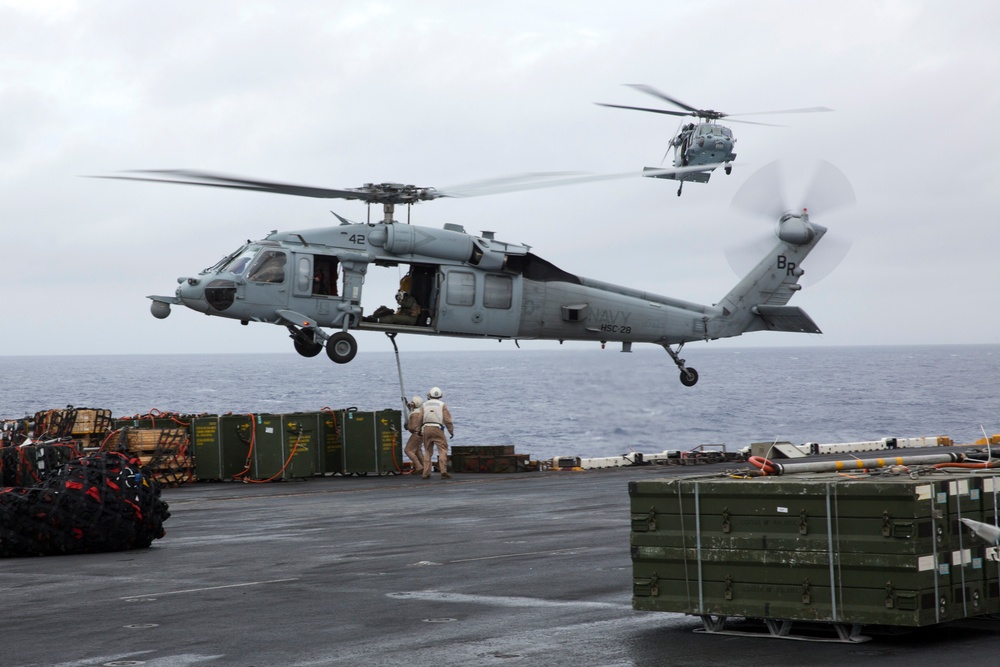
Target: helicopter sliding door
[(315, 287), (479, 303)]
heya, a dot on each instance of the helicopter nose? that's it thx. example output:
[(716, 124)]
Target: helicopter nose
[(192, 294)]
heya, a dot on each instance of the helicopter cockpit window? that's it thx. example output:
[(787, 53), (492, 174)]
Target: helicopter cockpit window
[(239, 262), (726, 132), (497, 291), (269, 267)]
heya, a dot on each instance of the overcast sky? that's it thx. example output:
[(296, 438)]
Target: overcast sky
[(439, 93)]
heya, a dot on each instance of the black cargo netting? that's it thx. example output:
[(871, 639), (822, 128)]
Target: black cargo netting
[(100, 502), (29, 465)]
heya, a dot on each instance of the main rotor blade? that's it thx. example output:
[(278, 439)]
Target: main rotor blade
[(392, 193), (513, 180), (762, 113), (545, 181), (752, 122), (665, 111), (208, 179), (649, 90)]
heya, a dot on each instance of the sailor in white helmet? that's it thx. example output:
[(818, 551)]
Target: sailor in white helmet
[(435, 419), (415, 444)]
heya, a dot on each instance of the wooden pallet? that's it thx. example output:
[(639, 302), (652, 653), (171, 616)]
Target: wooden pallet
[(164, 452)]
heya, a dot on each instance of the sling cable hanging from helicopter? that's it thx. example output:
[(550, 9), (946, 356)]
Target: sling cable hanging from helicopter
[(402, 395), (399, 369)]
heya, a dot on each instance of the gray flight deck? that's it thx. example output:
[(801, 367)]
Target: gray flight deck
[(518, 569)]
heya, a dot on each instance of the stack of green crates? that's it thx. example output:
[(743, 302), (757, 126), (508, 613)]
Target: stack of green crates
[(255, 446), (885, 550), (296, 445), (371, 442)]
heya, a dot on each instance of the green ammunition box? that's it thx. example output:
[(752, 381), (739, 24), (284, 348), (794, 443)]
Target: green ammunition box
[(221, 445), (391, 436), (890, 515), (300, 431), (371, 442), (887, 550), (329, 448), (282, 447)]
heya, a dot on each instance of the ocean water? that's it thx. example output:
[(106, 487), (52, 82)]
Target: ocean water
[(562, 402)]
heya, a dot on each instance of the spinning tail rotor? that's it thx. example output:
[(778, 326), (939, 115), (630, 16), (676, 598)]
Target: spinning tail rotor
[(763, 195)]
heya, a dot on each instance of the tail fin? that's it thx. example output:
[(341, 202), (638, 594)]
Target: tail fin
[(758, 302)]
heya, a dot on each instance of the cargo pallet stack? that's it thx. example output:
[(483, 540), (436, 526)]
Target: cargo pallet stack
[(489, 459), (163, 451), (887, 549)]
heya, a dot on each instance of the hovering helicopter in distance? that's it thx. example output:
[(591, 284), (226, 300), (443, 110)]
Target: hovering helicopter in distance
[(458, 284), (703, 143)]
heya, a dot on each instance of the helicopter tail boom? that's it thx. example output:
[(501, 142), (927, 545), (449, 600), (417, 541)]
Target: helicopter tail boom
[(759, 301)]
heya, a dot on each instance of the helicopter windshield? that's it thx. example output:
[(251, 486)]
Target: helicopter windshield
[(239, 261), (269, 267)]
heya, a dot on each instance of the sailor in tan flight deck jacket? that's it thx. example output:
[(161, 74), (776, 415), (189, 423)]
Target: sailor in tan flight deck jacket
[(415, 444), (436, 419)]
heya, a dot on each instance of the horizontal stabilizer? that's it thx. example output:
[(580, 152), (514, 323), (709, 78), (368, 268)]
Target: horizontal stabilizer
[(786, 318), (696, 176)]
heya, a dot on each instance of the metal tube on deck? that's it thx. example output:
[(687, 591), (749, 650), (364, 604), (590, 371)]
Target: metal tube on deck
[(861, 464)]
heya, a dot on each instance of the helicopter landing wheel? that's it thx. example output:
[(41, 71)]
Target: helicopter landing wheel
[(341, 347), (307, 348), (729, 169), (689, 377)]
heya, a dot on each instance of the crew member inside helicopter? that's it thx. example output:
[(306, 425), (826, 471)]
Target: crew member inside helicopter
[(325, 276), (681, 140), (406, 313)]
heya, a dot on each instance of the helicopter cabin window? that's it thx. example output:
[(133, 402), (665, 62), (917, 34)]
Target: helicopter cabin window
[(497, 291), (269, 267), (303, 275), (461, 288)]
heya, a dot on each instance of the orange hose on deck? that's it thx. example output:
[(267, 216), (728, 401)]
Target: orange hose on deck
[(766, 466)]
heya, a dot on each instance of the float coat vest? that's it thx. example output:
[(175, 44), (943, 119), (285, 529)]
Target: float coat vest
[(433, 412)]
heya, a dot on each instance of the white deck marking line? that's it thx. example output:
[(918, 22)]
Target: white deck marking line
[(207, 588), (505, 601), (552, 552)]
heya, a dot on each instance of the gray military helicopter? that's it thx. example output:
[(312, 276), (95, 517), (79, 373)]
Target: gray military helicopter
[(465, 285), (704, 143)]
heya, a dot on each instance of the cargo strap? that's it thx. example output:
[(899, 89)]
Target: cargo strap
[(834, 562)]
